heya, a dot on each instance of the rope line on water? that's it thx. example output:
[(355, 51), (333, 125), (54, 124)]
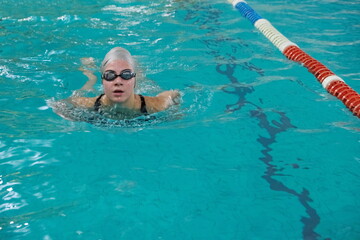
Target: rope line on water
[(331, 82)]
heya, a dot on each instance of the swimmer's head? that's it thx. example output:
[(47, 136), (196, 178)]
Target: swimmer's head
[(117, 53)]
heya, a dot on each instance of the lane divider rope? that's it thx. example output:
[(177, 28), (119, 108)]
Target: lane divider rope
[(331, 82)]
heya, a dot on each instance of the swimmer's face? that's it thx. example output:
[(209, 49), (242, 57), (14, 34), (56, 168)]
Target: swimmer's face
[(119, 90)]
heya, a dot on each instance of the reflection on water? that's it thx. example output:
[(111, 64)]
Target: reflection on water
[(26, 185)]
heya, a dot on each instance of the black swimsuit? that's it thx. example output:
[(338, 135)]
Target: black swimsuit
[(143, 110)]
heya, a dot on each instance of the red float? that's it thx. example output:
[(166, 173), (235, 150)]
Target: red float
[(337, 88)]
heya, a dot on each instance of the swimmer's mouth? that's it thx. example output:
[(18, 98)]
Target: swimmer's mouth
[(118, 91)]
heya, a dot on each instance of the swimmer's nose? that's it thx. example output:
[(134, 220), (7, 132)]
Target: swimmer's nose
[(118, 80)]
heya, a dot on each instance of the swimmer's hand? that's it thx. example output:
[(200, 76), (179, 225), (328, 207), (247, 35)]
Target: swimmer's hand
[(169, 98), (88, 62)]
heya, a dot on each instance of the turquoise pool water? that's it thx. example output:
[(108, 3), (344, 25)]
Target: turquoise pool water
[(257, 149)]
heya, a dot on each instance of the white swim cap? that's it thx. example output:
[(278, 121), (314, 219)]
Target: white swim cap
[(117, 53)]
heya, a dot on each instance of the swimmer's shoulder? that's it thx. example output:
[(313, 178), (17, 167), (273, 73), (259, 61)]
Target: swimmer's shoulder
[(83, 102), (162, 101)]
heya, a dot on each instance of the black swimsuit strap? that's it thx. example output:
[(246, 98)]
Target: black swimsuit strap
[(97, 103), (143, 105)]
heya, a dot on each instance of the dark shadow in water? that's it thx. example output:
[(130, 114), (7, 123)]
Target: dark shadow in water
[(227, 65), (274, 128)]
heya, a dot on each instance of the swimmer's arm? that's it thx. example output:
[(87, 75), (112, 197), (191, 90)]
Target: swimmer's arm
[(87, 65), (82, 102), (63, 108)]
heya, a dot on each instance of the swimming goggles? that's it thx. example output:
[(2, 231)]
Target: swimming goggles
[(111, 75)]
